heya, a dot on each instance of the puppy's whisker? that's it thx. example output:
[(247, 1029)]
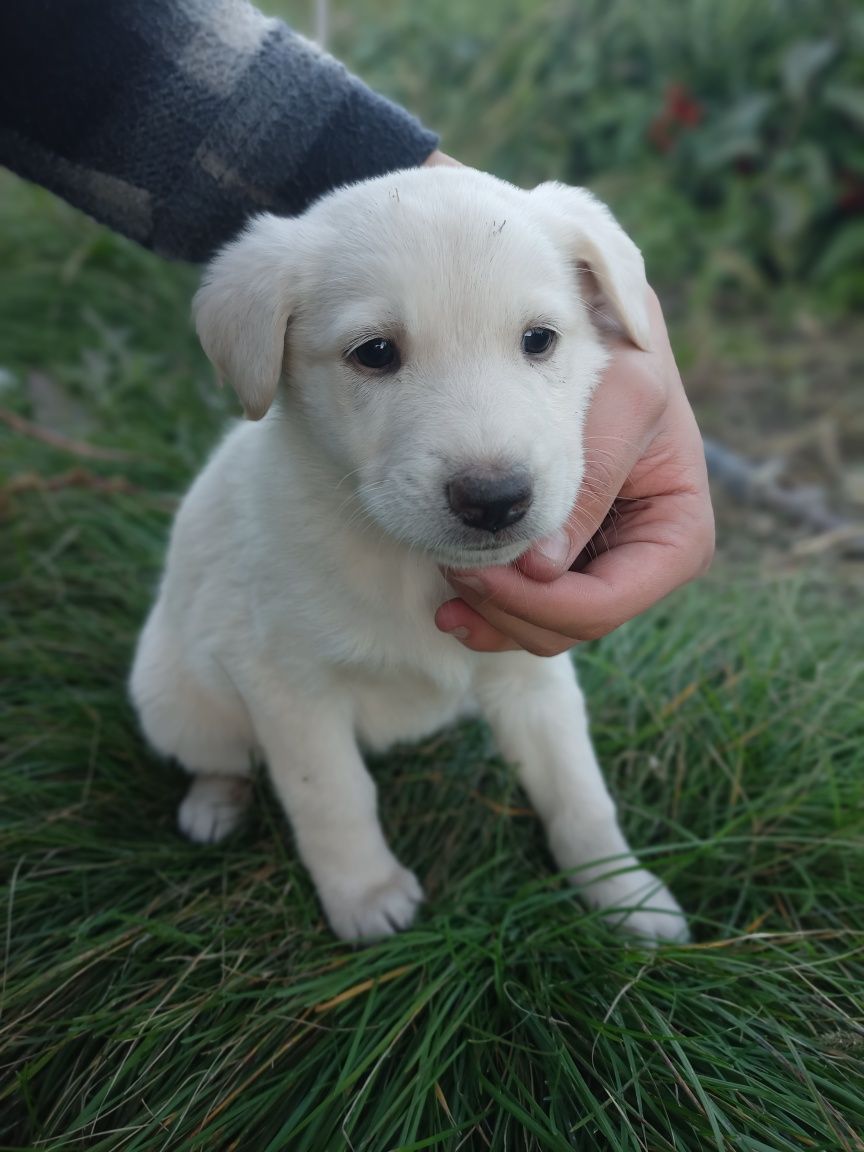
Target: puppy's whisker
[(594, 487), (348, 476)]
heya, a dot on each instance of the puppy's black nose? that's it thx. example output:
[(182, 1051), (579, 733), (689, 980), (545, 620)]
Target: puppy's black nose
[(490, 500)]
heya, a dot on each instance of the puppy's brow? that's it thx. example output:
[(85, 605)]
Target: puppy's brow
[(543, 318), (383, 331), (366, 323)]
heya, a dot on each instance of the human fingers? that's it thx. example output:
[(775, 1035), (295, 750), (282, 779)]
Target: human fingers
[(497, 633), (438, 159)]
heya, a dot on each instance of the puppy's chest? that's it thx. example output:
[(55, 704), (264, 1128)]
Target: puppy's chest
[(406, 678), (405, 706), (401, 648), (377, 609)]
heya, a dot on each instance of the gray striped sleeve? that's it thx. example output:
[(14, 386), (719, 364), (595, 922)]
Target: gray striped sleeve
[(173, 120)]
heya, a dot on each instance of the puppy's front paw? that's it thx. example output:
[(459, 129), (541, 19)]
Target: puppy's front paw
[(640, 904), (212, 808), (358, 911)]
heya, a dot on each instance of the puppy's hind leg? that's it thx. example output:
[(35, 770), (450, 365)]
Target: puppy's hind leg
[(213, 807), (193, 714)]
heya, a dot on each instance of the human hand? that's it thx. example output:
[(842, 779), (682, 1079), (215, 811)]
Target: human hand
[(642, 524), (440, 160)]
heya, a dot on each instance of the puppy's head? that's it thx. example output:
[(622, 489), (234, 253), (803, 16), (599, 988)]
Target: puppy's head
[(433, 328)]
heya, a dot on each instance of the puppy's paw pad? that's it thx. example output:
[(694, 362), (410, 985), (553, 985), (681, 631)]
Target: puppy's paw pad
[(212, 808), (375, 911), (641, 905)]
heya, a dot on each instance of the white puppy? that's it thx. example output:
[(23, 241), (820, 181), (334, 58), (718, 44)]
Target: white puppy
[(420, 358)]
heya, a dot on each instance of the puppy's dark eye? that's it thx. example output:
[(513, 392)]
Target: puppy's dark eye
[(536, 341), (377, 354)]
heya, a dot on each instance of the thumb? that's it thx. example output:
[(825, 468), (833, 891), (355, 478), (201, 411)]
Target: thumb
[(605, 475), (548, 558)]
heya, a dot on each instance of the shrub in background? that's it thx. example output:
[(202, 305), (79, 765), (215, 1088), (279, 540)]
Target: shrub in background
[(728, 136)]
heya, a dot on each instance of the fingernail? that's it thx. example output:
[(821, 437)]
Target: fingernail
[(556, 548), (473, 583), (459, 633)]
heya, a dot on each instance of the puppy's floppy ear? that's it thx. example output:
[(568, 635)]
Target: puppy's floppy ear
[(242, 310), (594, 238)]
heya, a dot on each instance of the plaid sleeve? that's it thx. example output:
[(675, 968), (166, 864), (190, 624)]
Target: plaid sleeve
[(173, 120)]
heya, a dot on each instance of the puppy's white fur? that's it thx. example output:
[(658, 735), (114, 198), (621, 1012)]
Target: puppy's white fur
[(295, 617)]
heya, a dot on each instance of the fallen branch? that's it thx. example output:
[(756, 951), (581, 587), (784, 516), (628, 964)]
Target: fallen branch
[(756, 484), (58, 440), (81, 478)]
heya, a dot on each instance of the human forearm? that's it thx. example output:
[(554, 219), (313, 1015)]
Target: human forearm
[(174, 120)]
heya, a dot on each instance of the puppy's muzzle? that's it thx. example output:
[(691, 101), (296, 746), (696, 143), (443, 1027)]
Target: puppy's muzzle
[(490, 500)]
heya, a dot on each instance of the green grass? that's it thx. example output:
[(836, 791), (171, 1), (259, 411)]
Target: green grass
[(157, 995)]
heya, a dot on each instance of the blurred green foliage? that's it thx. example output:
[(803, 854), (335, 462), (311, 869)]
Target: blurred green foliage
[(727, 134)]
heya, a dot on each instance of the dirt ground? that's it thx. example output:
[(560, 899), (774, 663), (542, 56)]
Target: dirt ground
[(790, 401)]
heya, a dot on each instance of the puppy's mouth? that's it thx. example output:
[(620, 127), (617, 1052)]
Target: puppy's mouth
[(436, 532), (495, 551)]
